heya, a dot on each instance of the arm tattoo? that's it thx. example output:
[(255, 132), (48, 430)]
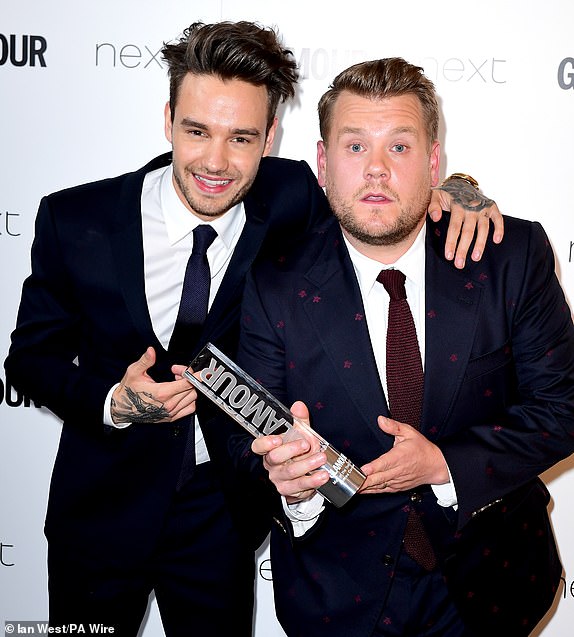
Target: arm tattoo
[(465, 195), (136, 408)]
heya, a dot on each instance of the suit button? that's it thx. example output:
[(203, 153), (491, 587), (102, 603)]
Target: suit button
[(416, 497), (388, 560), (176, 431)]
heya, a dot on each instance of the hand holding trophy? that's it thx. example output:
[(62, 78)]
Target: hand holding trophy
[(260, 413)]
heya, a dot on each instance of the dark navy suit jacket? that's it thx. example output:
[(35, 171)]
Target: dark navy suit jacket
[(498, 401), (83, 319)]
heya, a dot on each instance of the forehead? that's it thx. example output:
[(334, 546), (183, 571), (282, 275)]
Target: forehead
[(222, 101), (376, 115)]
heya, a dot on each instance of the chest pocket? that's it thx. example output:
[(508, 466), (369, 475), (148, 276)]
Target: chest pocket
[(489, 363)]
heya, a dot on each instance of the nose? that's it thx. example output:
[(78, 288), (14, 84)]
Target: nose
[(377, 165), (215, 158)]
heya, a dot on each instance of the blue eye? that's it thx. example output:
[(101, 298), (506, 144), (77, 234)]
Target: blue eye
[(356, 148), (400, 148)]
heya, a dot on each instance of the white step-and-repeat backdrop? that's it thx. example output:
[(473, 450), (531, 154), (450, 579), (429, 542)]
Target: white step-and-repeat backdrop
[(82, 91)]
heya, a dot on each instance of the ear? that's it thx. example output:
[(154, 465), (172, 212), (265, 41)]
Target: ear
[(168, 128), (270, 138), (321, 163), (435, 163)]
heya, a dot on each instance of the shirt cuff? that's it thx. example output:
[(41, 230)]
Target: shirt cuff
[(446, 493), (303, 515), (108, 412)]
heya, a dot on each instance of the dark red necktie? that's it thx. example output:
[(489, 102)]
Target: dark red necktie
[(405, 385)]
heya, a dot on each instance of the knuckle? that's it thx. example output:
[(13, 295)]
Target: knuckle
[(271, 457), (291, 471)]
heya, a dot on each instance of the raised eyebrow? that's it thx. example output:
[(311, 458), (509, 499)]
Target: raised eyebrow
[(350, 130), (409, 130)]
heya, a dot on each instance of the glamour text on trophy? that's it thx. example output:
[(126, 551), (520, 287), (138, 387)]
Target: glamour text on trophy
[(261, 414)]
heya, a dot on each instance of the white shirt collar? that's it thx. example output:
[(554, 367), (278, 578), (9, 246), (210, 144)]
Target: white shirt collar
[(411, 264)]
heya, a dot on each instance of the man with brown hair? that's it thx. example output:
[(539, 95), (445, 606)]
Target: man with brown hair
[(451, 389)]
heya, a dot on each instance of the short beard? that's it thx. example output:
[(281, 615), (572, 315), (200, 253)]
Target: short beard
[(390, 235), (202, 210)]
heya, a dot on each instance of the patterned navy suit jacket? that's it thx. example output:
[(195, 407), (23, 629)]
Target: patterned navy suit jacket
[(498, 401)]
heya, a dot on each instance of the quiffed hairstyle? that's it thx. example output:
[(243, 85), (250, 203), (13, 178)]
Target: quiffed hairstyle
[(379, 79), (233, 51)]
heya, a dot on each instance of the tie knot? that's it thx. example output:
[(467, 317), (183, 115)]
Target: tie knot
[(394, 282), (203, 237)]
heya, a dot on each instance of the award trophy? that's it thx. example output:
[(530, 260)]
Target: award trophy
[(261, 414)]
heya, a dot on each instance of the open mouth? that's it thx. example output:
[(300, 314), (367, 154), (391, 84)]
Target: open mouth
[(213, 182)]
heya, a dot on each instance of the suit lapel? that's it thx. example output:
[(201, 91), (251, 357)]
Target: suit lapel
[(337, 314), (229, 295), (127, 249), (335, 309), (452, 311)]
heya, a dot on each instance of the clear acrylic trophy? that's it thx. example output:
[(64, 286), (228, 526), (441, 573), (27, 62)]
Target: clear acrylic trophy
[(261, 414)]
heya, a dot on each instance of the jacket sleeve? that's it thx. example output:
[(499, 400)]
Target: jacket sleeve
[(261, 355), (534, 428), (42, 360)]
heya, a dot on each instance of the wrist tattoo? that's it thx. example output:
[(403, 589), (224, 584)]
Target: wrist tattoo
[(137, 407), (465, 195)]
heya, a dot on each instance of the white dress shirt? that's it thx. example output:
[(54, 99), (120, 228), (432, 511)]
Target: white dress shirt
[(376, 303), (167, 227)]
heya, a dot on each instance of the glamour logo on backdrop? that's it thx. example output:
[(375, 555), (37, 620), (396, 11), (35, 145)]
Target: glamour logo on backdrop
[(321, 64), (13, 398), (22, 50), (566, 74), (324, 64)]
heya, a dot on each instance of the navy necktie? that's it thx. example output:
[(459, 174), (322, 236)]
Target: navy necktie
[(405, 386), (190, 318), (194, 294)]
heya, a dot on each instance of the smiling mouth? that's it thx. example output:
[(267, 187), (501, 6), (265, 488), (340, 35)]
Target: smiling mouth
[(213, 183)]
